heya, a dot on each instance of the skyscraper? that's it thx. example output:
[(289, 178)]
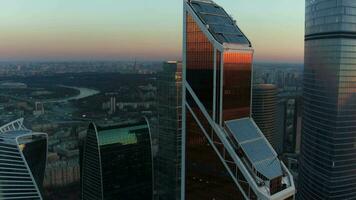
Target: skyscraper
[(292, 123), (23, 157), (169, 107), (328, 147), (112, 105), (224, 153), (264, 112), (117, 162)]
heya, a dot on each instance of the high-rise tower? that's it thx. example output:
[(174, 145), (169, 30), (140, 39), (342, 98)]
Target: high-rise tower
[(169, 105), (117, 162), (264, 112), (328, 147), (225, 155), (23, 157)]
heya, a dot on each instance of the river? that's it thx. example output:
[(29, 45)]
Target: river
[(83, 93)]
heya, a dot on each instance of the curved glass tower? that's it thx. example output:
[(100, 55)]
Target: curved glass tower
[(328, 148), (23, 157), (225, 155), (117, 162)]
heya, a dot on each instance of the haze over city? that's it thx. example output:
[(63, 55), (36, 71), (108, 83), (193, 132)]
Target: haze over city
[(58, 30)]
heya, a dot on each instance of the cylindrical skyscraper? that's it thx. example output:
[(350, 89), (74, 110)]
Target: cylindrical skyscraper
[(264, 112), (328, 148)]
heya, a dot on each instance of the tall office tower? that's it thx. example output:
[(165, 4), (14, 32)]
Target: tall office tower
[(39, 109), (117, 162), (112, 105), (292, 120), (23, 157), (264, 112), (169, 105), (328, 145), (224, 153)]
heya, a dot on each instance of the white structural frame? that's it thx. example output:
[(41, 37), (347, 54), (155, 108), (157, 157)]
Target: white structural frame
[(261, 193), (152, 159), (17, 125)]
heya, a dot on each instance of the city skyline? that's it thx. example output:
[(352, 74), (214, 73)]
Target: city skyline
[(109, 30), (178, 100)]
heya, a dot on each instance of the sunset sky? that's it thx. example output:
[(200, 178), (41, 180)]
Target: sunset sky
[(143, 29)]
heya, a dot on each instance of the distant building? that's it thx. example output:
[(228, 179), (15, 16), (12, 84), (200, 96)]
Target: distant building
[(169, 103), (39, 109), (225, 155), (23, 157), (13, 85), (117, 162), (289, 117), (112, 105), (264, 112), (280, 79), (135, 105), (62, 173), (292, 124)]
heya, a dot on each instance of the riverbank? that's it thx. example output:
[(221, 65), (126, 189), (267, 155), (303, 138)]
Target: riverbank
[(83, 93)]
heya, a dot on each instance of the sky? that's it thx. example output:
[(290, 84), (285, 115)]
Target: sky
[(142, 29)]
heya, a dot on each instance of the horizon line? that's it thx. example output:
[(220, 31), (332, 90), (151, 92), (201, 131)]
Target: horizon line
[(126, 60)]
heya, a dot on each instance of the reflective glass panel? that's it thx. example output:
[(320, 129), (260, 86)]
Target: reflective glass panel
[(237, 85)]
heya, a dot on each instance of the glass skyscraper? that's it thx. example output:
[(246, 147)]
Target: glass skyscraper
[(264, 112), (224, 153), (23, 158), (117, 162), (169, 105), (328, 147)]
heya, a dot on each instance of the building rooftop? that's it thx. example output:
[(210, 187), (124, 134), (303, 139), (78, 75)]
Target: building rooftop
[(14, 130), (218, 22), (124, 133), (13, 126), (256, 148), (122, 136), (9, 132)]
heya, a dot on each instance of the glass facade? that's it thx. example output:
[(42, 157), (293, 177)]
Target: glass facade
[(217, 110), (264, 112), (206, 177), (292, 117), (121, 165), (237, 85), (169, 107), (200, 63), (328, 146), (91, 171), (35, 152)]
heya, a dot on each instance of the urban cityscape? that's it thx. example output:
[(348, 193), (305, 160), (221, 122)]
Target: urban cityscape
[(220, 117)]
